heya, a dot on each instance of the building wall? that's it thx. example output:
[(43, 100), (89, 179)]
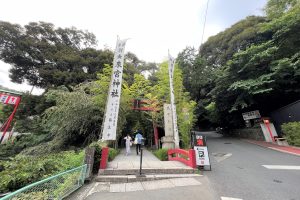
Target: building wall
[(249, 133), (289, 113)]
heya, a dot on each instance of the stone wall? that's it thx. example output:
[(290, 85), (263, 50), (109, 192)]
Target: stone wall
[(249, 133)]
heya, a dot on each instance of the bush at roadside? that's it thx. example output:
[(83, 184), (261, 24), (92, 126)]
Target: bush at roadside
[(161, 154), (291, 131), (23, 170)]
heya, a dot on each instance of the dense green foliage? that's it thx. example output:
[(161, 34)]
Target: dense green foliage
[(71, 119), (253, 65), (47, 56), (185, 107), (22, 142), (22, 170), (113, 153), (291, 132), (161, 154), (97, 156)]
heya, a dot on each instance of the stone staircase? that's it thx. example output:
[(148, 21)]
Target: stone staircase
[(138, 178), (125, 169)]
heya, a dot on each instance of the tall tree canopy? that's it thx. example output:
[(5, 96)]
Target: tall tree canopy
[(47, 56), (252, 65), (220, 48)]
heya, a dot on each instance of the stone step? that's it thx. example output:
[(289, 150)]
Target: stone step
[(137, 178), (147, 171)]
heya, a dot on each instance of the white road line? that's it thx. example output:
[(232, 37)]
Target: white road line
[(229, 198), (288, 167)]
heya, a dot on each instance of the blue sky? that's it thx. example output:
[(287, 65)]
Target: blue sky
[(152, 26)]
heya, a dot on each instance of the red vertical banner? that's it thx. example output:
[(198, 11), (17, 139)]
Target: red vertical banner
[(7, 99)]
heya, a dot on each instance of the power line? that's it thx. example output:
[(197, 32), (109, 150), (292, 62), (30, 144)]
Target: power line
[(204, 23)]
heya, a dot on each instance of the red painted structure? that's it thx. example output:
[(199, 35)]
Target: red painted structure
[(267, 123), (13, 100), (186, 157), (143, 105), (104, 158), (139, 104)]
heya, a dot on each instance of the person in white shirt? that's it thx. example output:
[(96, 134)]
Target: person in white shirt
[(128, 143)]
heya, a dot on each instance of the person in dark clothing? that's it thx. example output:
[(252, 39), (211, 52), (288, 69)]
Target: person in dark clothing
[(138, 140)]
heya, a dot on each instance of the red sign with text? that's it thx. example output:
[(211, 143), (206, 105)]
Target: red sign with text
[(8, 99)]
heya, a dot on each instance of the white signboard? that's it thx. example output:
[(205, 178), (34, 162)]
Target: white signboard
[(251, 115), (201, 155), (109, 128), (173, 106)]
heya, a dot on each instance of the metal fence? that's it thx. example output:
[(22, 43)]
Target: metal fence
[(52, 188)]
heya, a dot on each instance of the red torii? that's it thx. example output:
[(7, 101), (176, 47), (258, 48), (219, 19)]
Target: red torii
[(138, 104)]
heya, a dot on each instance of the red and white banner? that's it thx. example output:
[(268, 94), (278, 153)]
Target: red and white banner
[(8, 99)]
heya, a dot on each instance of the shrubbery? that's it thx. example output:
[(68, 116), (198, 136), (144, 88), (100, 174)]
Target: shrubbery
[(161, 154), (97, 156), (98, 151), (23, 170), (21, 142), (291, 131), (113, 153)]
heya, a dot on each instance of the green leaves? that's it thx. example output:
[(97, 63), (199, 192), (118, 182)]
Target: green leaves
[(291, 131), (72, 115), (48, 57), (23, 170)]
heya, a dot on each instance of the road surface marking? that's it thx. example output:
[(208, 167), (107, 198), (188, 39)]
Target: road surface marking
[(221, 156), (289, 167), (229, 198)]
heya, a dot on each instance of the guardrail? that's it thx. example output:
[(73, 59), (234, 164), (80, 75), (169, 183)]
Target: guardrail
[(186, 157), (55, 187)]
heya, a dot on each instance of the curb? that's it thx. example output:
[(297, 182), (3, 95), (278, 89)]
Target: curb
[(272, 148), (283, 151)]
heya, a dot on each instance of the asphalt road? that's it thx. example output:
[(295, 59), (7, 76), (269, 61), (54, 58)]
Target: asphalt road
[(237, 171), (237, 174)]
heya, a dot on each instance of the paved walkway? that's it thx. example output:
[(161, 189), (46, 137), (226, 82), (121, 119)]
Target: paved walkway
[(285, 149), (132, 161), (170, 189)]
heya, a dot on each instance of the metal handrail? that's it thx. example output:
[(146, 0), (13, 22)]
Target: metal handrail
[(44, 181)]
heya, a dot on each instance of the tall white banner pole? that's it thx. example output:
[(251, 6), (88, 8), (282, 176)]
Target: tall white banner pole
[(109, 129), (173, 106)]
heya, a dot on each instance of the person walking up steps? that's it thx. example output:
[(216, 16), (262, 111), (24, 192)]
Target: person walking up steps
[(127, 144), (138, 140)]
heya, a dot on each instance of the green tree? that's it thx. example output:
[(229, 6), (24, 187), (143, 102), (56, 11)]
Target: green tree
[(220, 48), (185, 107), (276, 8), (70, 120), (47, 56), (264, 76)]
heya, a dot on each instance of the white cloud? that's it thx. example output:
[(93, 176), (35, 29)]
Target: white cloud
[(5, 81), (153, 26)]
